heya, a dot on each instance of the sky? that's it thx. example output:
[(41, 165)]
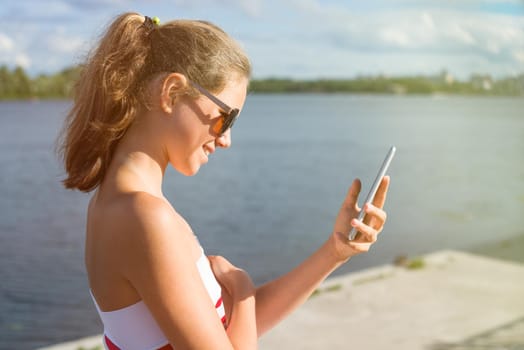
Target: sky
[(299, 39)]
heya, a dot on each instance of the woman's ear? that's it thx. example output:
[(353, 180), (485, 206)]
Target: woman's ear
[(174, 84)]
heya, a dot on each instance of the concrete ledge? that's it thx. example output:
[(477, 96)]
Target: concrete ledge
[(453, 298)]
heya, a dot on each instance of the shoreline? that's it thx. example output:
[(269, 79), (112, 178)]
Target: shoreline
[(432, 94), (447, 299), (511, 249)]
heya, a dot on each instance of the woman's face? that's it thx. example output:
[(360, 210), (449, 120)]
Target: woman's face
[(194, 140)]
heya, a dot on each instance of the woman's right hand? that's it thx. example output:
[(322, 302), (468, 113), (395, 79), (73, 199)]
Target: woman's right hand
[(238, 295), (368, 230), (234, 280)]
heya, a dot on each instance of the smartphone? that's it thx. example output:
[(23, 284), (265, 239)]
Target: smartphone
[(374, 188)]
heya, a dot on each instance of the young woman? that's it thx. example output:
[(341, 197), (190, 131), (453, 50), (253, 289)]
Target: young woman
[(155, 95)]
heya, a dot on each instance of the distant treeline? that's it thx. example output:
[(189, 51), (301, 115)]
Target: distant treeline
[(443, 84), (16, 84)]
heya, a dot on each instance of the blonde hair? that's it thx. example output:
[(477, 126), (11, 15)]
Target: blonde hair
[(111, 88)]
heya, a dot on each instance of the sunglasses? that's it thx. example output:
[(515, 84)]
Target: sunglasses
[(229, 115)]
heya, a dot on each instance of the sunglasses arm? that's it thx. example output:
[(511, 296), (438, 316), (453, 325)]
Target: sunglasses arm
[(206, 93)]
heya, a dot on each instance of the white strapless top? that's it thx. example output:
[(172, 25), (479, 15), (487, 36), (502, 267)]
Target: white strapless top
[(134, 328)]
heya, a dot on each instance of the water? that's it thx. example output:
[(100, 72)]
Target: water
[(457, 181)]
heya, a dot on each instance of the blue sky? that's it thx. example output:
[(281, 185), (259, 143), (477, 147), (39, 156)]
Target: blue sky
[(292, 38)]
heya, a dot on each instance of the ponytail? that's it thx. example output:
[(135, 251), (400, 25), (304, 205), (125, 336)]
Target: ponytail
[(105, 102)]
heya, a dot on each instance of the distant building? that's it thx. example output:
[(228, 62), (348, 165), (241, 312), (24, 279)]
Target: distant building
[(482, 82), (446, 77)]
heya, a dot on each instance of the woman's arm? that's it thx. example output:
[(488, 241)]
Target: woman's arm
[(278, 298), (161, 266)]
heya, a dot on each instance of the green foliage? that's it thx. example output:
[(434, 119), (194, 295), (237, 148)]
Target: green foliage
[(440, 84), (416, 264), (332, 288), (16, 84), (409, 263)]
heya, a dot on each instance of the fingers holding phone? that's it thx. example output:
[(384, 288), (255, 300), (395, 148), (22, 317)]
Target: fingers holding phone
[(380, 180), (357, 229), (374, 215)]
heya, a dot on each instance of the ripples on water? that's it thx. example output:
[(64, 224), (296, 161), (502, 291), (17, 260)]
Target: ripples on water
[(457, 180)]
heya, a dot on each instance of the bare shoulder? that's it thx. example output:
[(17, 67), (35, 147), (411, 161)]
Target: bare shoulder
[(130, 230), (151, 214), (152, 224)]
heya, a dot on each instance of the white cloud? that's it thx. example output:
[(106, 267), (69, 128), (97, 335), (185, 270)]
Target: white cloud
[(460, 35), (427, 19), (493, 47), (6, 44), (22, 60), (10, 55), (335, 39), (60, 43), (519, 56), (395, 37)]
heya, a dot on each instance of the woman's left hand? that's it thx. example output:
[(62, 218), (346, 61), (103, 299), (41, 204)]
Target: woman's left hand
[(368, 230)]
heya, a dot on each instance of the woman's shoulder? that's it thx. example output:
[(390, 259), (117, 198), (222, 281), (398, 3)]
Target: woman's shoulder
[(153, 233), (147, 213), (136, 215)]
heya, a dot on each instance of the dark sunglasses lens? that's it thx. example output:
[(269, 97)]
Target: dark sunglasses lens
[(229, 120)]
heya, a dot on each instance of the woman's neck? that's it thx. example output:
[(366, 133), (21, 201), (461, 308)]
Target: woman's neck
[(137, 165)]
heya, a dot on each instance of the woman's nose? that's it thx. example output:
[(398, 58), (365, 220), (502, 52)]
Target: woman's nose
[(224, 140)]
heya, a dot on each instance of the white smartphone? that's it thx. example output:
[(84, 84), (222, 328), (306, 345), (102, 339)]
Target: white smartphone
[(374, 188)]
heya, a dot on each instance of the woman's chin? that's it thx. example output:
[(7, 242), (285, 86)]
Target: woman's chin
[(190, 166), (189, 170)]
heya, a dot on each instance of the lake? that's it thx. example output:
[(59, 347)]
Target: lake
[(269, 200)]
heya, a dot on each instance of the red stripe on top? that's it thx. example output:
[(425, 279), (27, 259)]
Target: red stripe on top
[(223, 319), (219, 302), (112, 346)]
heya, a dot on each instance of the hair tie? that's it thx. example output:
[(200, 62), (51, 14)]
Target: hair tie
[(150, 24)]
